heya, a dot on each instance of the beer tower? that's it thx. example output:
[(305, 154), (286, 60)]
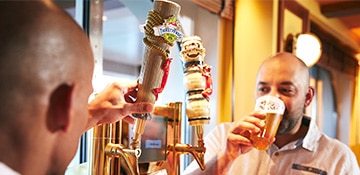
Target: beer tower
[(109, 156)]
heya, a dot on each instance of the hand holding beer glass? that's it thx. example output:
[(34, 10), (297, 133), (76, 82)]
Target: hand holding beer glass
[(273, 109)]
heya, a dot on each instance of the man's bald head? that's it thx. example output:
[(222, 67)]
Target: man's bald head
[(46, 67), (41, 47), (287, 61)]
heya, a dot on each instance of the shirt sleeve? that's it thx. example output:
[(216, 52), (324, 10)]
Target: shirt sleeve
[(350, 164)]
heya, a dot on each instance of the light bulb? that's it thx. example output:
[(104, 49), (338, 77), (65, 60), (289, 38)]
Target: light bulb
[(308, 48)]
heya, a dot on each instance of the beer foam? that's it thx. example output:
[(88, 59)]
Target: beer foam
[(270, 104)]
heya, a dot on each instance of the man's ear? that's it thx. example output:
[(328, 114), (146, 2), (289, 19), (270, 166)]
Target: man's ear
[(309, 96), (59, 111)]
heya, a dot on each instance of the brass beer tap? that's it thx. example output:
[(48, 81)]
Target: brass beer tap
[(173, 112)]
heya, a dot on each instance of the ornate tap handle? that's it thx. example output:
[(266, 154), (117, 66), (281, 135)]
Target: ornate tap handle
[(162, 28), (197, 80)]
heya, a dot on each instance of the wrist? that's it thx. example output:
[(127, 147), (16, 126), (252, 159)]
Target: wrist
[(230, 156), (225, 159)]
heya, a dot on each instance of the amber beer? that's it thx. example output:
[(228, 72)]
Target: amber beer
[(265, 137), (273, 108)]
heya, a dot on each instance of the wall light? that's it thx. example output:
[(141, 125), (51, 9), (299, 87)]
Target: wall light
[(357, 56), (306, 46)]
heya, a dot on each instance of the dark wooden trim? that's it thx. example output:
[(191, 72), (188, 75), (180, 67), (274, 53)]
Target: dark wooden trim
[(296, 9), (336, 56), (340, 8), (299, 11), (280, 31)]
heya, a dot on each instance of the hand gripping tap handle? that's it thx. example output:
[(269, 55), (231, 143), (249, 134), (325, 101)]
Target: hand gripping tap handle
[(161, 29)]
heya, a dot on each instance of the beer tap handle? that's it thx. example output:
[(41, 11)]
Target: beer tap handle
[(161, 30)]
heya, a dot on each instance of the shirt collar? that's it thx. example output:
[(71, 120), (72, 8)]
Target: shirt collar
[(310, 141)]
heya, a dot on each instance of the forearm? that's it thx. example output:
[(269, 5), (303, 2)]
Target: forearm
[(90, 123), (95, 111)]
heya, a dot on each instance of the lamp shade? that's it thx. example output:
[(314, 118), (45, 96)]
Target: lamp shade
[(308, 48)]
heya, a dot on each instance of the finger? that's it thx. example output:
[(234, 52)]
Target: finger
[(124, 87), (247, 124), (129, 119), (244, 126), (259, 114), (138, 108), (236, 145), (132, 86), (238, 140), (246, 149)]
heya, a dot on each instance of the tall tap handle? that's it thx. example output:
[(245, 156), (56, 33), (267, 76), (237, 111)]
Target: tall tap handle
[(161, 29), (197, 80)]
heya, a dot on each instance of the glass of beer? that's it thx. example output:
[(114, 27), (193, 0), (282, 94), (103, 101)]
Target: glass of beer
[(273, 108)]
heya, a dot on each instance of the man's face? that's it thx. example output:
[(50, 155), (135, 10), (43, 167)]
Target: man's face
[(286, 80)]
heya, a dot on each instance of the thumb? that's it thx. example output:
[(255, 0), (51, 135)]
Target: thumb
[(140, 107)]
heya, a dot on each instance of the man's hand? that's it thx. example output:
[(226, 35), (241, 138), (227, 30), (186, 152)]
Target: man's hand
[(116, 102), (238, 138)]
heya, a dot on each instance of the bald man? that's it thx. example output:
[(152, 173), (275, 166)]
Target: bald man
[(299, 147), (46, 73)]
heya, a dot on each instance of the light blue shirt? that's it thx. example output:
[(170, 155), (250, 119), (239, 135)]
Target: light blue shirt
[(316, 153)]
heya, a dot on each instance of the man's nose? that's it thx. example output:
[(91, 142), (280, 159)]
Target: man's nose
[(274, 92)]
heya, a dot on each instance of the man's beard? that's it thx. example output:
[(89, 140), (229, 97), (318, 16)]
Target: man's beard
[(287, 123)]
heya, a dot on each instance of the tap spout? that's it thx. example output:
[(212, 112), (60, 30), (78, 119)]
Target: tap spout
[(197, 152), (130, 156)]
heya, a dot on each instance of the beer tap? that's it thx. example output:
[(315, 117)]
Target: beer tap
[(198, 83), (173, 111), (161, 29)]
